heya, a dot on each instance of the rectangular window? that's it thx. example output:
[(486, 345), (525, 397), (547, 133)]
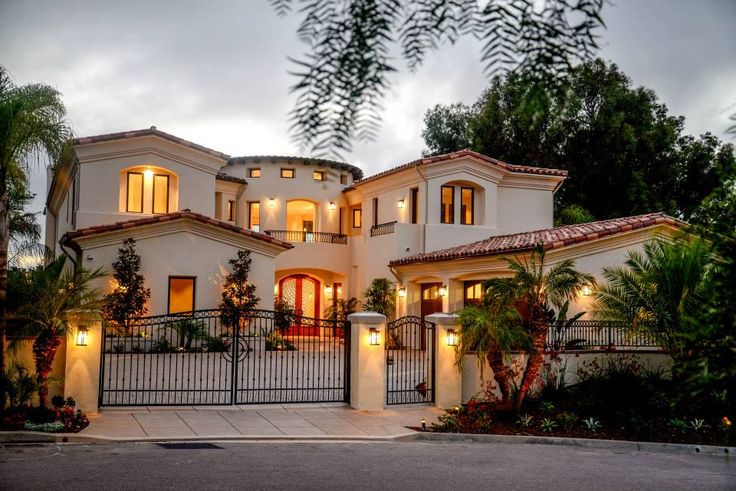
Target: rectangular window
[(414, 205), (287, 173), (160, 194), (135, 193), (448, 205), (230, 211), (357, 217), (254, 216), (181, 294), (318, 175), (344, 179), (254, 172), (467, 196), (473, 292), (375, 211)]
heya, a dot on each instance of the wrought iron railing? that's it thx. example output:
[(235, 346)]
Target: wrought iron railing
[(596, 335), (410, 361), (301, 236), (383, 229)]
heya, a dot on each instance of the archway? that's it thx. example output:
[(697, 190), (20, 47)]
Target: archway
[(303, 293)]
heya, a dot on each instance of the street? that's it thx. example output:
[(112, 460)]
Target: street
[(409, 465)]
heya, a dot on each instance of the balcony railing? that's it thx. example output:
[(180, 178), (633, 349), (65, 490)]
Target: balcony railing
[(301, 236), (383, 229), (596, 335)]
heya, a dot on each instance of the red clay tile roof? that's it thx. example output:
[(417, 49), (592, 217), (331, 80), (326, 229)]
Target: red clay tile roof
[(523, 169), (551, 238), (227, 177), (152, 131), (178, 215), (335, 164)]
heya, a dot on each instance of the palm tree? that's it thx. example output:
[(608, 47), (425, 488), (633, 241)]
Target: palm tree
[(31, 124), (341, 308), (659, 292), (380, 297), (58, 297)]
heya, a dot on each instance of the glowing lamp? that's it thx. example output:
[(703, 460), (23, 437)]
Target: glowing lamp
[(333, 206), (82, 333), (328, 290), (400, 204), (442, 292), (271, 202), (148, 173), (586, 291), (451, 337), (402, 292), (373, 337)]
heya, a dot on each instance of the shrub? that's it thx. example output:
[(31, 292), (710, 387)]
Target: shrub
[(525, 421), (548, 425), (592, 424)]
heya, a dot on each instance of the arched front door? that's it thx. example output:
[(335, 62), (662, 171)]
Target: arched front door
[(301, 292)]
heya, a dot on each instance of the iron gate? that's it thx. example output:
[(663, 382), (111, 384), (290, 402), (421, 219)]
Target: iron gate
[(211, 357), (409, 361)]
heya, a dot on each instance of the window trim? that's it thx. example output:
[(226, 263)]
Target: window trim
[(230, 210), (292, 170), (452, 205), (254, 169), (127, 191), (471, 301), (250, 214), (414, 203), (319, 173), (168, 294), (359, 222), (472, 206), (153, 193)]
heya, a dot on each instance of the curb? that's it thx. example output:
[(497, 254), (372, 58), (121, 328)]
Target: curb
[(655, 447)]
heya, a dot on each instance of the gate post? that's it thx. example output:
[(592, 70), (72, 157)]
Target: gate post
[(367, 361), (448, 377), (82, 370)]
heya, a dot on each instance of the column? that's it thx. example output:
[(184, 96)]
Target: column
[(82, 373), (448, 388), (367, 361)]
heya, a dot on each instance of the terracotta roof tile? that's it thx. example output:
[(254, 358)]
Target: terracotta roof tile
[(227, 177), (550, 238), (178, 215), (335, 164)]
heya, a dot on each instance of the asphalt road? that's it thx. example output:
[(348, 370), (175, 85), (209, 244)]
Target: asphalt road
[(425, 465)]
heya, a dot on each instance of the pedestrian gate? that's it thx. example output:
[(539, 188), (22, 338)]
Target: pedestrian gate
[(410, 361)]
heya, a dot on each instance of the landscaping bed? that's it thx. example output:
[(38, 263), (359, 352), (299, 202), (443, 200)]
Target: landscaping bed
[(62, 418)]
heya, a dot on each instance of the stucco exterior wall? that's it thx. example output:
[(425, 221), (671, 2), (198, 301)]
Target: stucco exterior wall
[(521, 210)]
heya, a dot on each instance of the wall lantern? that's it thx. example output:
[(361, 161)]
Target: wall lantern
[(400, 203), (82, 336), (148, 173), (373, 336), (586, 291), (271, 202), (442, 292), (402, 292), (451, 337), (328, 290), (333, 206)]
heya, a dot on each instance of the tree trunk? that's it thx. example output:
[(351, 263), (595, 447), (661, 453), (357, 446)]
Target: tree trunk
[(4, 241), (44, 351), (500, 374), (534, 363)]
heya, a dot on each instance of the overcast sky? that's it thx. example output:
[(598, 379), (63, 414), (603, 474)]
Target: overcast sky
[(216, 72)]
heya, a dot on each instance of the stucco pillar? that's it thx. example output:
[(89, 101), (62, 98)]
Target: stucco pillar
[(82, 372), (448, 388), (367, 362)]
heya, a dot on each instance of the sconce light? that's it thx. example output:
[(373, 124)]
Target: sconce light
[(328, 290), (82, 336), (276, 289), (333, 206), (148, 173), (373, 336), (586, 291), (400, 203), (442, 292), (402, 292), (451, 337), (271, 202)]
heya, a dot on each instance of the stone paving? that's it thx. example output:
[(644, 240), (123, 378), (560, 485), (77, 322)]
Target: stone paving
[(321, 421)]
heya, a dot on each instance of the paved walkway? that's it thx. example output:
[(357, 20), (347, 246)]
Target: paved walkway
[(254, 422)]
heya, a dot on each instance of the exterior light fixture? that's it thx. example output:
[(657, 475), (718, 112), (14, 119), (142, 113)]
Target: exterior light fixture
[(328, 290), (424, 424), (271, 202), (586, 291), (451, 337), (373, 336), (276, 289), (400, 203), (82, 336), (148, 173), (442, 291), (402, 292), (333, 206)]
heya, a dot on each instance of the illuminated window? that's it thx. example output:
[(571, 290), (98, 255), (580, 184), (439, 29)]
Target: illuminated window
[(287, 173), (466, 206), (357, 217), (230, 211), (319, 175), (160, 194), (255, 172), (414, 205), (343, 179), (448, 205), (134, 197), (473, 292), (254, 216), (181, 294)]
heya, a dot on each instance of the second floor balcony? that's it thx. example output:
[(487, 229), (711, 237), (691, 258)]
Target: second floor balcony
[(306, 236)]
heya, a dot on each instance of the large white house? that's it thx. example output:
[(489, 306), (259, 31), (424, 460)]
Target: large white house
[(318, 229)]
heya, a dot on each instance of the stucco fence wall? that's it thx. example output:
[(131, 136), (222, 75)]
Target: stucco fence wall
[(20, 353), (475, 385)]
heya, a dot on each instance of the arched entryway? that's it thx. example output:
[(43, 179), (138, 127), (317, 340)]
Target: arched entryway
[(301, 292)]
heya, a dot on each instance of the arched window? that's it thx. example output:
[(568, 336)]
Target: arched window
[(148, 190)]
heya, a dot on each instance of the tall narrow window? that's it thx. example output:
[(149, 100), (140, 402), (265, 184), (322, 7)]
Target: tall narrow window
[(160, 194), (230, 211), (340, 219), (448, 205), (254, 172), (414, 205), (254, 216), (375, 211), (357, 217), (134, 198), (466, 206), (181, 294)]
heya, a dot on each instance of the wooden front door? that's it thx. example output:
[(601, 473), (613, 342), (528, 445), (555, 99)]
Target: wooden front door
[(431, 300), (301, 292)]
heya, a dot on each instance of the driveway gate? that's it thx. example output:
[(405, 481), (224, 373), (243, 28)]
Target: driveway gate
[(211, 357), (409, 361)]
